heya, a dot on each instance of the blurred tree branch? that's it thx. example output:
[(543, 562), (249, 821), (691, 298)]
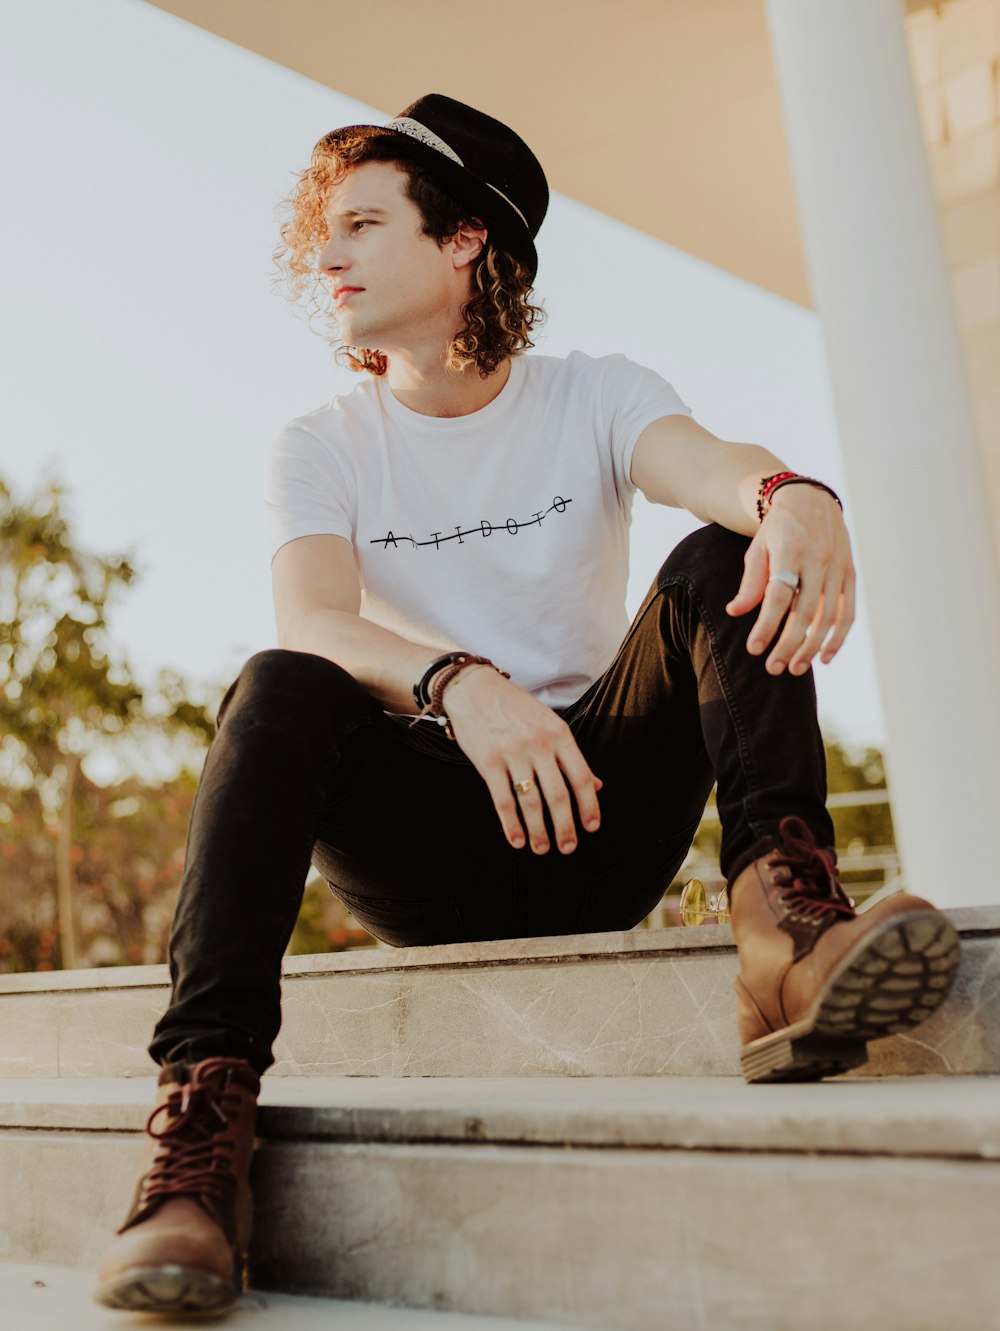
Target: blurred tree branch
[(63, 695)]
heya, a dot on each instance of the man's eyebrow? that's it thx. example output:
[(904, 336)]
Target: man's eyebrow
[(356, 212)]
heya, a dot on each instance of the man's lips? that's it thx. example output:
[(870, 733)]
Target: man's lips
[(343, 292)]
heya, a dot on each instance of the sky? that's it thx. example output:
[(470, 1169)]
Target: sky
[(150, 360)]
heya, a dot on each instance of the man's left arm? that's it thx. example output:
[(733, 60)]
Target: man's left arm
[(678, 462)]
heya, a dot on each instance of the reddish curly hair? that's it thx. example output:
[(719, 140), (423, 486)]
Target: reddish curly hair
[(498, 317)]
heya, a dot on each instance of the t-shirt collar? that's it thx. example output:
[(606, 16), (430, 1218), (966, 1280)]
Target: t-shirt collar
[(485, 416)]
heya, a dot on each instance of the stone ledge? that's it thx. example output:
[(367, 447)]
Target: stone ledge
[(971, 922), (929, 1117), (644, 1003)]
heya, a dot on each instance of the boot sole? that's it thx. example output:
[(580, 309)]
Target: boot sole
[(894, 979), (167, 1289)]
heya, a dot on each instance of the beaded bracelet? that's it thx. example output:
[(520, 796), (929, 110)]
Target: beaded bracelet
[(770, 484), (434, 709)]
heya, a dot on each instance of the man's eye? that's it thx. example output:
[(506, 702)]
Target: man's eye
[(360, 222)]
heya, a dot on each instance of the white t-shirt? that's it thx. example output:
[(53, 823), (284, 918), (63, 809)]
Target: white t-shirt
[(503, 532)]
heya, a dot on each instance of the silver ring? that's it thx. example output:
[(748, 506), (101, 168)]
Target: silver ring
[(790, 580), (522, 787)]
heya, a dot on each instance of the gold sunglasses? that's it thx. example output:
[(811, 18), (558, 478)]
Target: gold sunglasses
[(697, 906)]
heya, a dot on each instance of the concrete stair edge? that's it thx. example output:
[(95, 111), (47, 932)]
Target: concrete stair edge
[(631, 1239), (928, 1117), (970, 921), (650, 1003)]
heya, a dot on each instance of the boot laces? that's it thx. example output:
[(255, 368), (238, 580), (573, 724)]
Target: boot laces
[(194, 1156), (809, 878)]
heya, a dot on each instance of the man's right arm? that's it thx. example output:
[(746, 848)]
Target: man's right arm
[(317, 599), (505, 732)]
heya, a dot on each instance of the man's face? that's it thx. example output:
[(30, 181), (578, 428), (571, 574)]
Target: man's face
[(390, 284)]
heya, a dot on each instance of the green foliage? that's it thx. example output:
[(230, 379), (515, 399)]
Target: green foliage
[(55, 671), (64, 698), (89, 874), (127, 855)]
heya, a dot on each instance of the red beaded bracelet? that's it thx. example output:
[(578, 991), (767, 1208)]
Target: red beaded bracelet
[(770, 484)]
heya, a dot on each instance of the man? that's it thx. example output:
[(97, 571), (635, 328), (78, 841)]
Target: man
[(460, 728)]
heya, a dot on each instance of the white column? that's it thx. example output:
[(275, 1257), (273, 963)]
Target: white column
[(917, 503)]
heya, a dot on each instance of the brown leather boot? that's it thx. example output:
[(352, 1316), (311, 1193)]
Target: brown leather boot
[(817, 980), (183, 1245)]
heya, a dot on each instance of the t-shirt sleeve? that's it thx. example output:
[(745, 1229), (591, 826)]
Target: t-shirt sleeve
[(633, 396), (306, 491)]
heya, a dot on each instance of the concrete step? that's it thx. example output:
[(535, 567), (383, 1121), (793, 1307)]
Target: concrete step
[(636, 1204), (42, 1298), (639, 1003)]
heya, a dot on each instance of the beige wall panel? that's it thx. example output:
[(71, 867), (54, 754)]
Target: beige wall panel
[(925, 59), (961, 40), (972, 228), (970, 99), (982, 356), (965, 31), (965, 166), (977, 292)]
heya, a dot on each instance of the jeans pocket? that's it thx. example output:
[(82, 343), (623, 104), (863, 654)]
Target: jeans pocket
[(405, 923)]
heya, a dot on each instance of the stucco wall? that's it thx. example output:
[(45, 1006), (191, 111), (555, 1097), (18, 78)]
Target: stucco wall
[(955, 56)]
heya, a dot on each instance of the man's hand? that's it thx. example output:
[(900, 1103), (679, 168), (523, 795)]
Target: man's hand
[(509, 736), (804, 534)]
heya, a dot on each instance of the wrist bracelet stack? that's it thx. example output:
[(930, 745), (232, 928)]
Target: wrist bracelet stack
[(430, 696), (770, 484), (420, 694)]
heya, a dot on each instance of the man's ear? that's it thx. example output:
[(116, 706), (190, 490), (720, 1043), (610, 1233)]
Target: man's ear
[(468, 242)]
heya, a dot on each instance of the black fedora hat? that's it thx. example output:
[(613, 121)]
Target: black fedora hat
[(485, 164)]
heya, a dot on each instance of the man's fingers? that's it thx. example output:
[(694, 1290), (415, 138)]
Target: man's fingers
[(498, 784), (754, 580), (533, 780), (777, 602), (583, 783), (821, 625), (530, 804), (845, 618), (560, 806), (797, 624)]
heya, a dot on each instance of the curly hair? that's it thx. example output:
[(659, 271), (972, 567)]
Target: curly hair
[(499, 316)]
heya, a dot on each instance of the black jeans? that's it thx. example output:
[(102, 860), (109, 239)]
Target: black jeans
[(306, 766)]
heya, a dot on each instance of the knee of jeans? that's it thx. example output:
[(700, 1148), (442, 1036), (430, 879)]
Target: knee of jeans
[(711, 557), (303, 675)]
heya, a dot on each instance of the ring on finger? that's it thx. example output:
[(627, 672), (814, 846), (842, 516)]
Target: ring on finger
[(790, 580), (522, 787)]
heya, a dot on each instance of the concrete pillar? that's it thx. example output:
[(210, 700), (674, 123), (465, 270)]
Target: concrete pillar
[(917, 503)]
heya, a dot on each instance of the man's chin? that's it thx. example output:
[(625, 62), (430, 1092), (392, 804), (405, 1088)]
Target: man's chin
[(355, 335)]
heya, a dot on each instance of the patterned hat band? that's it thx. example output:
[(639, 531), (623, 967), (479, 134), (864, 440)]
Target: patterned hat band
[(415, 130)]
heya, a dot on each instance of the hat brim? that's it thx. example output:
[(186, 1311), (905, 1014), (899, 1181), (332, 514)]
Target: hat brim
[(506, 228)]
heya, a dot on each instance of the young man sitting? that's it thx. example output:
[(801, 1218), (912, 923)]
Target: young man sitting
[(460, 728)]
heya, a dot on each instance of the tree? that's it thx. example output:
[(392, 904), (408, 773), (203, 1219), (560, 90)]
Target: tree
[(63, 695)]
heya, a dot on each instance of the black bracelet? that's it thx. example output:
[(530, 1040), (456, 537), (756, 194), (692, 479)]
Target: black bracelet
[(420, 694)]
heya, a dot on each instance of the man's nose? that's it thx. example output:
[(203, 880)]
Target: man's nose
[(330, 260)]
